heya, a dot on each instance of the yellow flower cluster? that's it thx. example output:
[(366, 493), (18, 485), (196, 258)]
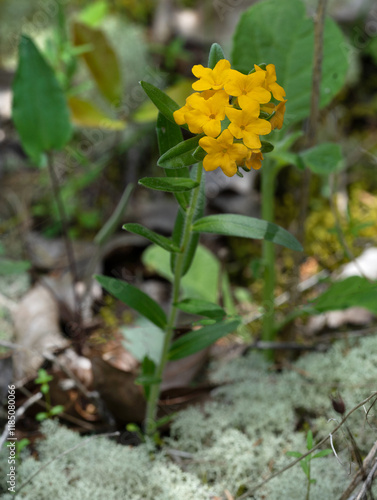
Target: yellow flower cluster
[(224, 92)]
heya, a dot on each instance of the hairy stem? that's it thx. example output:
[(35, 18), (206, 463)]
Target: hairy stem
[(150, 424), (268, 253)]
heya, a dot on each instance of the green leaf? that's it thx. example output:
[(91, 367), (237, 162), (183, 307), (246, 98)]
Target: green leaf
[(354, 291), (101, 61), (41, 416), (168, 135), (246, 227), (201, 308), (215, 55), (55, 410), (159, 240), (195, 341), (8, 266), (143, 339), (305, 467), (295, 454), (39, 111), (169, 184), (280, 33), (267, 147), (199, 154), (134, 298), (309, 440), (94, 13), (180, 155), (323, 159), (163, 102), (322, 453), (202, 279)]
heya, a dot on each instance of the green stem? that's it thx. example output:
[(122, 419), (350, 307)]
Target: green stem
[(268, 253), (150, 425)]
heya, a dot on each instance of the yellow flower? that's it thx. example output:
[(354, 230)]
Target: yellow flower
[(223, 153), (246, 87), (246, 125), (270, 82), (206, 114), (278, 118), (211, 78), (179, 115), (255, 160)]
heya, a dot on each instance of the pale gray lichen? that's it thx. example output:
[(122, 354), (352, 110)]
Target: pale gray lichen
[(239, 438)]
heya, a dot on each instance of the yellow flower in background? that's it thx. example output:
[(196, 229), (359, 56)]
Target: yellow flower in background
[(247, 87), (223, 152), (211, 78), (246, 124), (206, 114), (255, 160), (270, 81)]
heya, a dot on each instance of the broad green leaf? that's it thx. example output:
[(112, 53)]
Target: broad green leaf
[(180, 224), (201, 308), (158, 239), (199, 154), (354, 291), (215, 55), (169, 184), (143, 339), (280, 33), (86, 114), (168, 135), (8, 266), (40, 112), (134, 298), (322, 453), (101, 61), (246, 227), (323, 159), (94, 13), (181, 155), (162, 101), (195, 341), (202, 279)]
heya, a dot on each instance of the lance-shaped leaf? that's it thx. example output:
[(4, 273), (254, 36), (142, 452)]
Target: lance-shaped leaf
[(134, 298), (201, 308), (215, 55), (163, 102), (101, 61), (181, 155), (40, 112), (168, 135), (246, 227), (195, 341), (169, 184), (86, 114), (267, 147), (158, 239)]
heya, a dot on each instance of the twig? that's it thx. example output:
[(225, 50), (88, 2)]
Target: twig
[(367, 482), (323, 441), (358, 476), (106, 434), (20, 411)]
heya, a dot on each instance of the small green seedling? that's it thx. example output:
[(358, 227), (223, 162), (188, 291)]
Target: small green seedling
[(305, 462), (43, 379), (20, 445)]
